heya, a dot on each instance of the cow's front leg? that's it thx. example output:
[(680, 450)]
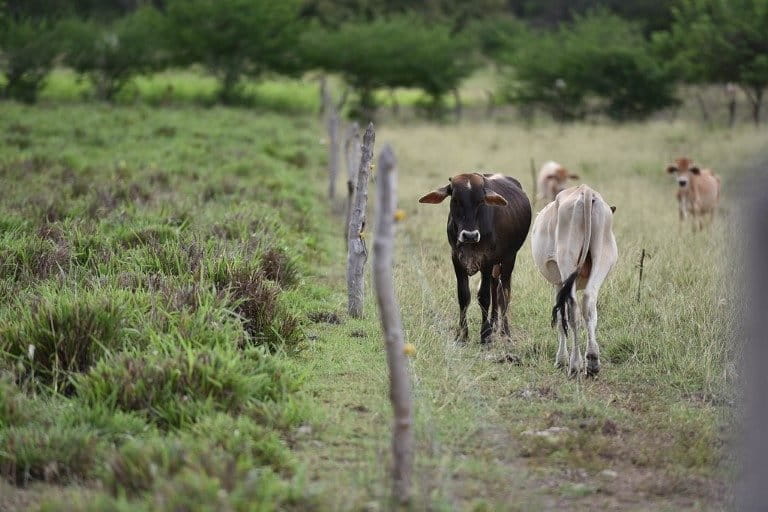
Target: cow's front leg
[(504, 291), (484, 298), (462, 288)]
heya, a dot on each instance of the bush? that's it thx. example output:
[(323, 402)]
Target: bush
[(28, 49), (235, 38), (15, 408), (600, 63), (177, 388), (112, 55), (62, 332), (394, 52)]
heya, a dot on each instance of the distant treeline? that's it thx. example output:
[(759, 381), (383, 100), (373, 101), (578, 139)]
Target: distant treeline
[(572, 58)]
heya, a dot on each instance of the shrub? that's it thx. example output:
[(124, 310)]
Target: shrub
[(28, 49), (177, 388), (235, 38), (598, 63), (393, 52), (62, 332), (112, 55), (52, 454)]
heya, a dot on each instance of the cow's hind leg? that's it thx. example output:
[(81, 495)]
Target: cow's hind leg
[(576, 364), (484, 298), (464, 296), (589, 310), (561, 359)]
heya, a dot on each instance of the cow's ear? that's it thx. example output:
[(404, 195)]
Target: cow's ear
[(436, 196), (574, 176), (695, 170), (613, 209), (671, 169), (494, 199)]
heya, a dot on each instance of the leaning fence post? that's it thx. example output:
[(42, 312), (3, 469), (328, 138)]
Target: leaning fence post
[(357, 254), (391, 323), (352, 153)]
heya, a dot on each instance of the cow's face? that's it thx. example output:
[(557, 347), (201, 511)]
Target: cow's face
[(469, 198), (683, 170), (558, 180)]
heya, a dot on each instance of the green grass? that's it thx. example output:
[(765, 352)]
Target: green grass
[(181, 278), (657, 414), (152, 266)]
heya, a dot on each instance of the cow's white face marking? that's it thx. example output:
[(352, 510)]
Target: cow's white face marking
[(469, 185)]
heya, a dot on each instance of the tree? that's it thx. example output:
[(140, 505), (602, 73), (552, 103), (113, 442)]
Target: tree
[(598, 63), (722, 42), (235, 38), (28, 52), (111, 55), (395, 52)]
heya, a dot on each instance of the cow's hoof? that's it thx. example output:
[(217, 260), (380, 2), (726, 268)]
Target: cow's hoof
[(593, 365), (486, 340)]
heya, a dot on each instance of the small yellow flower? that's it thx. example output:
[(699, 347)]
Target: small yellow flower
[(409, 349), (399, 215)]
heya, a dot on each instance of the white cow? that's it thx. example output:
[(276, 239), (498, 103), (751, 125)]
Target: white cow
[(573, 244), (553, 178)]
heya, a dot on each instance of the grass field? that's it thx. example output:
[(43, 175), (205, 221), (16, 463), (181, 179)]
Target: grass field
[(651, 433), (180, 277)]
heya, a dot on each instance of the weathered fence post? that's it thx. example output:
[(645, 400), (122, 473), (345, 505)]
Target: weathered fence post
[(391, 323), (535, 194), (352, 153), (730, 93), (357, 254), (332, 124)]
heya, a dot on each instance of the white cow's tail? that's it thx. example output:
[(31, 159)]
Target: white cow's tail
[(564, 304)]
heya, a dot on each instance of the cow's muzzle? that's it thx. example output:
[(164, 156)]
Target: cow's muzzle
[(682, 183), (469, 237)]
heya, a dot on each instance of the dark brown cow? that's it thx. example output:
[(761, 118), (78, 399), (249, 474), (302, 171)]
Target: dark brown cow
[(488, 222)]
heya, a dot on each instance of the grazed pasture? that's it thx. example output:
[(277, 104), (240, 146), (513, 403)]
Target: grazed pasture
[(650, 433), (194, 255)]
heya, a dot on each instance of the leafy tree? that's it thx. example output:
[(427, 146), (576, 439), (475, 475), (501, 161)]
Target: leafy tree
[(28, 52), (112, 55), (235, 38), (395, 52), (599, 63), (722, 41)]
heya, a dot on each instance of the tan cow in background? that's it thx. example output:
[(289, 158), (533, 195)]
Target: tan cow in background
[(698, 191), (553, 178), (574, 249)]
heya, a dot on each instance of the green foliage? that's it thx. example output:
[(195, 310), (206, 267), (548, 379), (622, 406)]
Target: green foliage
[(235, 38), (721, 42), (50, 453), (176, 388), (394, 52), (111, 55), (600, 63), (62, 332), (28, 49)]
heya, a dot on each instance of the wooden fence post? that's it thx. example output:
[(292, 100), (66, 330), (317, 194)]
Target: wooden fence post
[(352, 153), (391, 323), (357, 254), (535, 194), (640, 278)]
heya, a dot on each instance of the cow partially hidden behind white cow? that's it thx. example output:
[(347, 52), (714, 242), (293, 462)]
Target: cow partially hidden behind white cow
[(553, 178), (574, 249)]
